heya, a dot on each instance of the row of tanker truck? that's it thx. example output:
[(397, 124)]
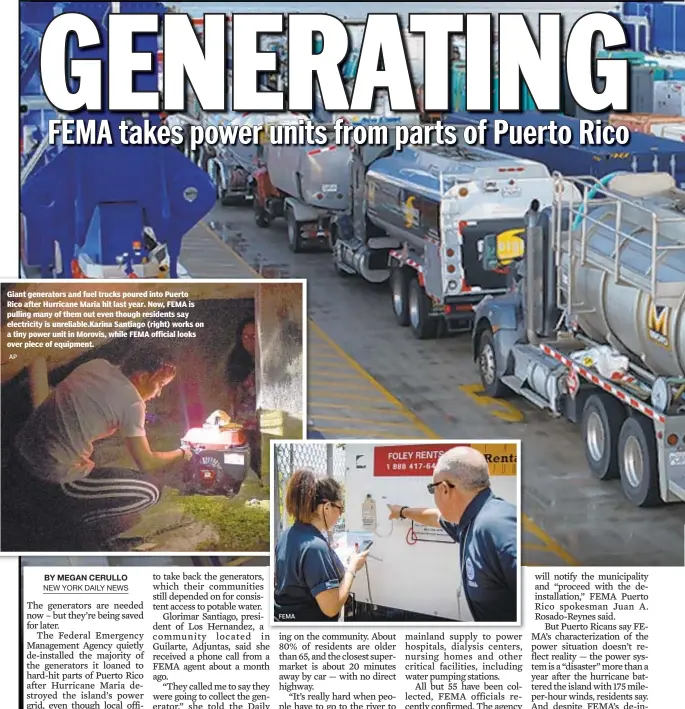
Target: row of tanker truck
[(415, 218), (574, 288)]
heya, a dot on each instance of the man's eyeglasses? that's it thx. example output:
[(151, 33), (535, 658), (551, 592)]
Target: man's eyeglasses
[(340, 508), (432, 486)]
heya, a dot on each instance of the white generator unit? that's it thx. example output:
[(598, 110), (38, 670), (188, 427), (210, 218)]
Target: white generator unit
[(672, 131), (669, 98), (411, 567)]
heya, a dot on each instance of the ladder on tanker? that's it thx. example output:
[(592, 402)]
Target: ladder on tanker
[(634, 250)]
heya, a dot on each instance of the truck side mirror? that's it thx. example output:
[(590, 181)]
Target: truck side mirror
[(490, 262)]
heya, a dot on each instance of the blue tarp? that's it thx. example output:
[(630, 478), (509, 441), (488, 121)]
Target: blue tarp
[(644, 153)]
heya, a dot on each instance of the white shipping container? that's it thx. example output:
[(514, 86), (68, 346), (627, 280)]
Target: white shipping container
[(669, 98), (673, 131)]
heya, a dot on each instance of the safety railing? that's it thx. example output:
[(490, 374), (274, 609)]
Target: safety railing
[(574, 221)]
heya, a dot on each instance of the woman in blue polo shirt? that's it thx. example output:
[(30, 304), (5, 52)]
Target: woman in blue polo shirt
[(311, 583)]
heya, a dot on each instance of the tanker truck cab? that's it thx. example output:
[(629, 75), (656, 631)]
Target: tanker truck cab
[(419, 220), (594, 327)]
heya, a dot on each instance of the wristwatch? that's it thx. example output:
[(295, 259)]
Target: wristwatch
[(402, 509)]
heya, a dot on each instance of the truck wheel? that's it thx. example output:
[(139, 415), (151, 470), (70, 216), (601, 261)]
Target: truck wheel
[(422, 327), (399, 287), (294, 235), (488, 366), (637, 460), (261, 216), (601, 426)]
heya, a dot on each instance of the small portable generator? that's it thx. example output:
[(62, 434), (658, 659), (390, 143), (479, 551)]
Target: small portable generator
[(221, 457)]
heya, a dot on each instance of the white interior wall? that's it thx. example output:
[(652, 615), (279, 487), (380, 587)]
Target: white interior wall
[(423, 577)]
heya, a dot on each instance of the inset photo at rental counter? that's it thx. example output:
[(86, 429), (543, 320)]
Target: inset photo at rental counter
[(131, 443), (411, 532)]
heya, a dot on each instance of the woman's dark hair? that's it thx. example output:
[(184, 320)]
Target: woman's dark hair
[(148, 358), (306, 490), (240, 361)]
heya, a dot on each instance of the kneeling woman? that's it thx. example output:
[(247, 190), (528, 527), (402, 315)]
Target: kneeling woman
[(311, 583)]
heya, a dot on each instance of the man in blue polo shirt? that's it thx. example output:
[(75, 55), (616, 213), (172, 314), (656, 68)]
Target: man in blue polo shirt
[(483, 524)]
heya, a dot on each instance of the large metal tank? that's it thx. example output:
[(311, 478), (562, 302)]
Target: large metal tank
[(404, 193), (624, 315), (318, 175)]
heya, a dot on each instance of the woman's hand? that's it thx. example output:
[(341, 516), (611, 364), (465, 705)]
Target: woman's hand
[(357, 561)]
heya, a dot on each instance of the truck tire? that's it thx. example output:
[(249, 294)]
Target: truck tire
[(400, 279), (488, 366), (601, 425), (261, 216), (422, 326), (638, 464), (294, 235)]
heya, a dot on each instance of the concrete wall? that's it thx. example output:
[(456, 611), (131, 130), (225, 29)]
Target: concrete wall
[(280, 379), (280, 326)]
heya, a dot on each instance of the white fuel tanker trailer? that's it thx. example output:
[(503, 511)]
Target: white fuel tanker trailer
[(418, 217), (230, 166), (309, 185), (594, 329), (305, 184)]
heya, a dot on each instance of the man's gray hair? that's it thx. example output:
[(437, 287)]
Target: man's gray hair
[(465, 466)]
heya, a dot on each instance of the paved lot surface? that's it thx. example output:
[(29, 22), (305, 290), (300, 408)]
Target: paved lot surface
[(370, 378)]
